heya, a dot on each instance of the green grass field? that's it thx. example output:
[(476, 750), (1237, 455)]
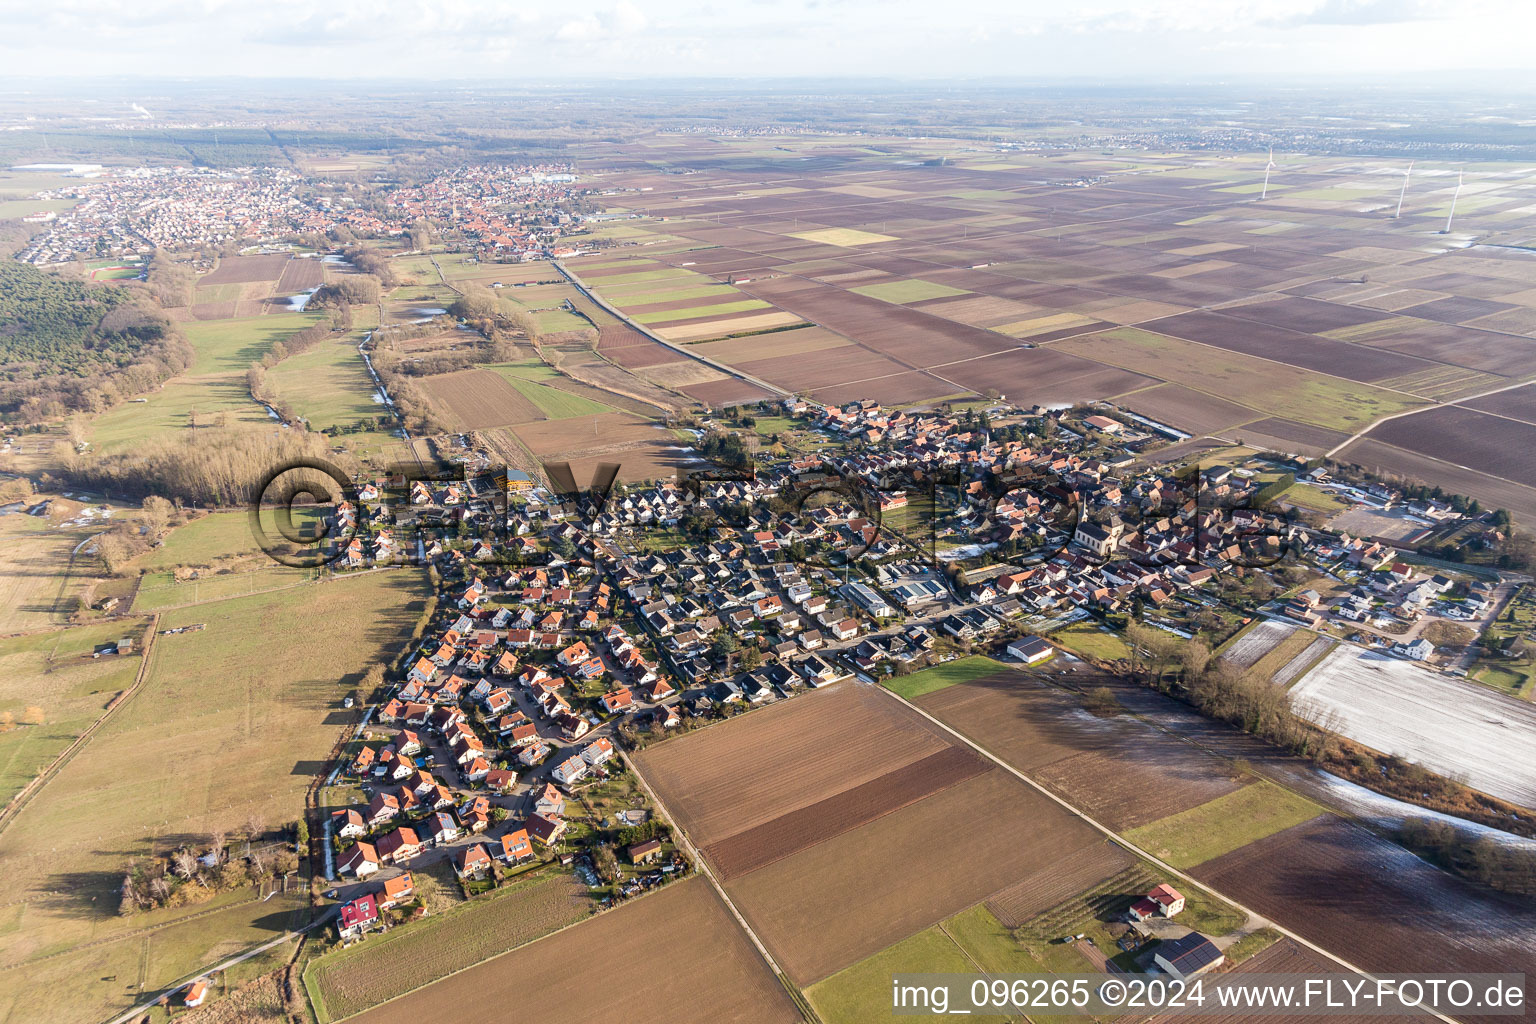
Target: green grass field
[(160, 590), (1315, 498), (961, 670), (214, 389), (229, 722), (912, 290), (1093, 640), (231, 346), (1222, 825), (176, 407), (328, 385), (89, 985), (619, 280), (862, 992), (217, 293), (699, 312), (552, 402), (214, 536), (709, 291), (552, 320)]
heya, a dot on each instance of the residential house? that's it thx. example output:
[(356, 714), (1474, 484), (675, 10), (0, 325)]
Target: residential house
[(359, 859), (546, 831), (357, 916), (472, 862), (515, 846), (396, 890)]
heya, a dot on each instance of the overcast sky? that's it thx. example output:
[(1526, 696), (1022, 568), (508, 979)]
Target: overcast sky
[(515, 39)]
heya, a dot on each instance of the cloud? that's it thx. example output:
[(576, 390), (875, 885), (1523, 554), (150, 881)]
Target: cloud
[(1362, 12), (618, 22)]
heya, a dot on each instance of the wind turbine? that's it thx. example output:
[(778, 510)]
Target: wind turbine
[(1406, 175), (1267, 168), (1454, 196)]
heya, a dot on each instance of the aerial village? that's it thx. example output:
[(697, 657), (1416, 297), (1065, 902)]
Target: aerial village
[(571, 630)]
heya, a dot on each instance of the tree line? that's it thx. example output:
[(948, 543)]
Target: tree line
[(217, 466)]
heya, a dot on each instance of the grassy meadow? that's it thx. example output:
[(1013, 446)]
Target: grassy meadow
[(231, 720)]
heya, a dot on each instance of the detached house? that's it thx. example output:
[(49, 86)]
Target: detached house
[(516, 847), (360, 859)]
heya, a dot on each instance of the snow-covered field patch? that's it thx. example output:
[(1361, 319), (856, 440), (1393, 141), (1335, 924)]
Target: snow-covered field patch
[(1454, 728)]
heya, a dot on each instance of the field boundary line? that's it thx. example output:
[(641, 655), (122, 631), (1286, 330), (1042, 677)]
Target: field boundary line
[(135, 933), (483, 960), (602, 303), (1138, 851), (703, 868), (20, 800)]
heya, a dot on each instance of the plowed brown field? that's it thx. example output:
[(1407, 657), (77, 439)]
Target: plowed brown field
[(762, 845), (622, 967), (477, 399), (1118, 770), (1341, 886), (835, 903)]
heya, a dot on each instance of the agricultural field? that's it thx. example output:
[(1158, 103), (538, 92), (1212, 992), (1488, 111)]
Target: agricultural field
[(478, 399), (544, 387), (212, 391), (1343, 319), (1453, 727), (858, 993), (348, 981), (226, 724), (804, 907), (1247, 648), (159, 591), (1483, 442), (52, 690), (1494, 491), (1271, 388), (754, 770), (1201, 833), (217, 536), (643, 449), (92, 983), (1341, 886), (329, 385), (1118, 769), (794, 804), (246, 286), (608, 966)]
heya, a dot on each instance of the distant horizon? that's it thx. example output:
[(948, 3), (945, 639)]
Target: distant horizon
[(1502, 79)]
